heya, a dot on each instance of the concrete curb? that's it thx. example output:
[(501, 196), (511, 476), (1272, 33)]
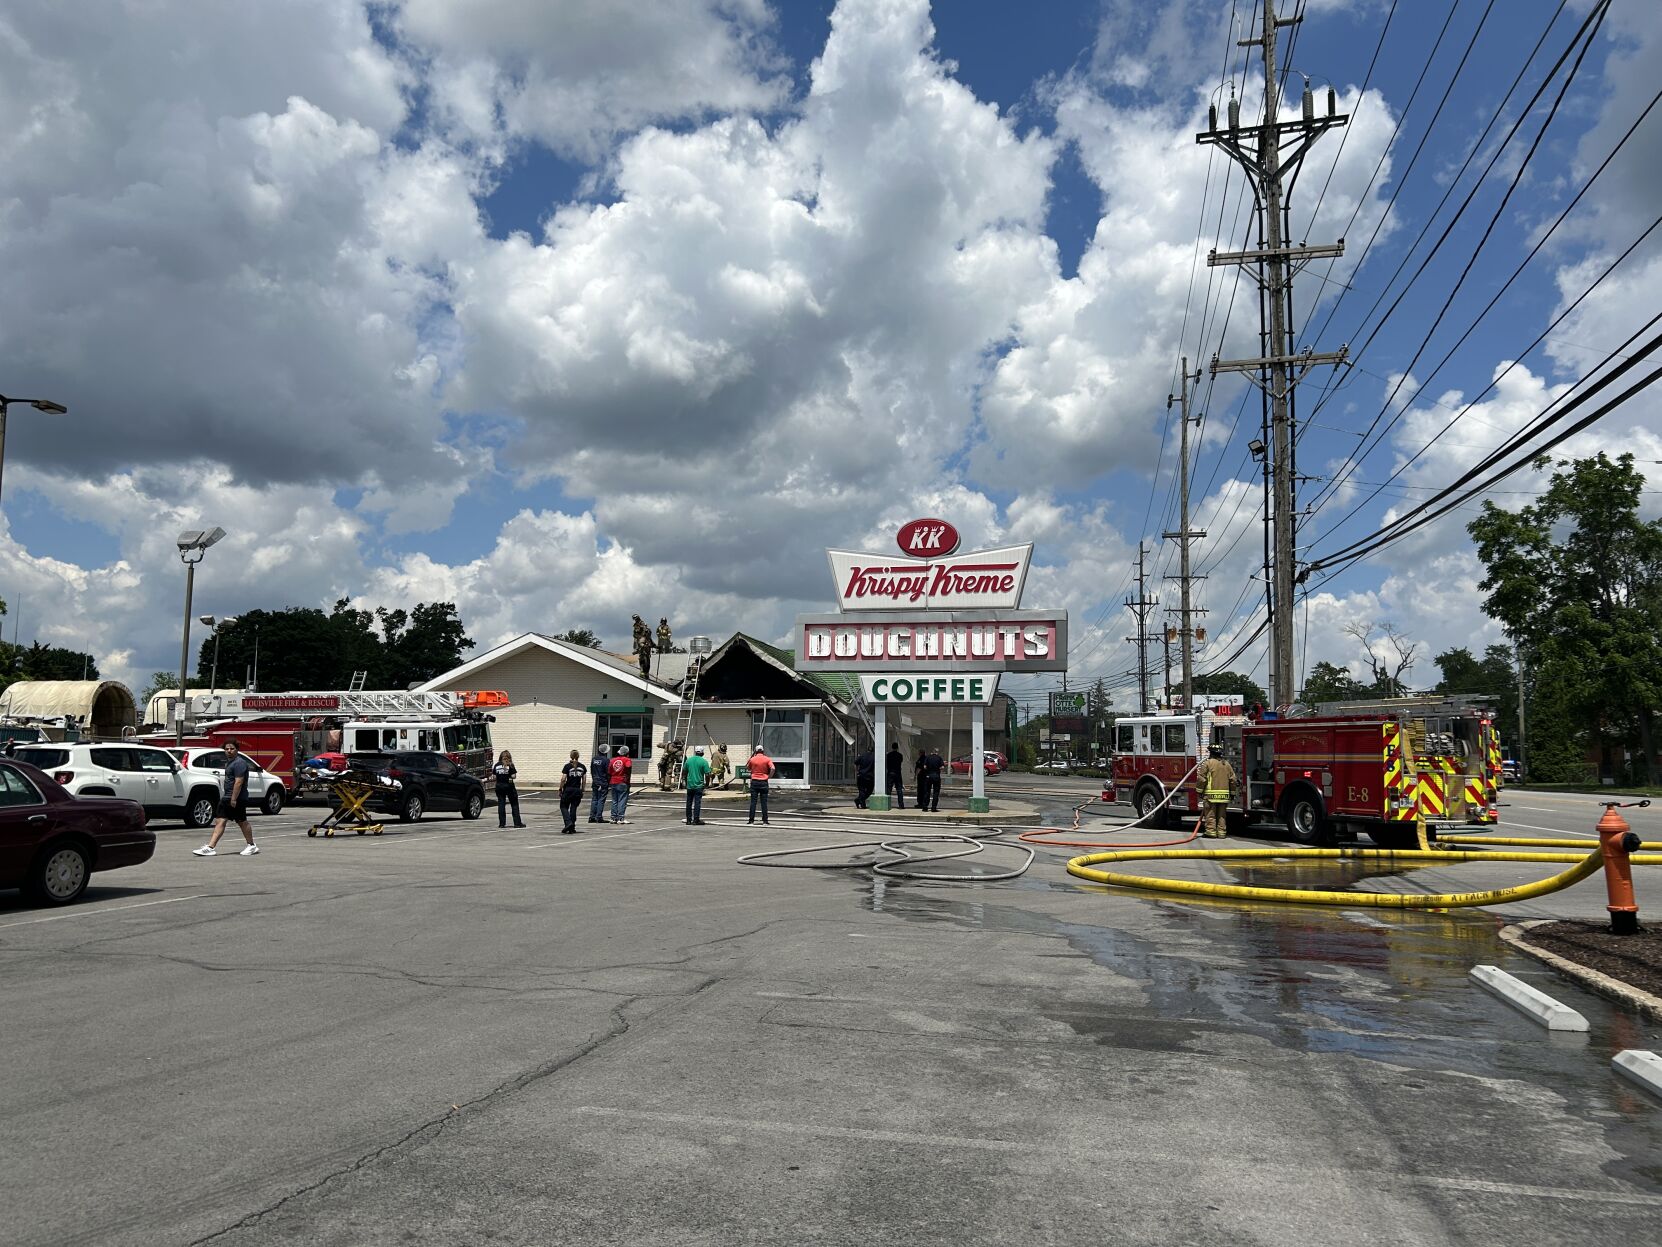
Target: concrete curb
[(1527, 1000), (1641, 1002), (1640, 1066)]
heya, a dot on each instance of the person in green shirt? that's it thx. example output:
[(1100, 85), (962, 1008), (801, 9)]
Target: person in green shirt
[(696, 771)]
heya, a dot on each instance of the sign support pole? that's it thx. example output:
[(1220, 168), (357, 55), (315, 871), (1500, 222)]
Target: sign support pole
[(879, 748), (978, 803)]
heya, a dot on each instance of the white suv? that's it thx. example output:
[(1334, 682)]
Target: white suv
[(266, 792), (146, 774)]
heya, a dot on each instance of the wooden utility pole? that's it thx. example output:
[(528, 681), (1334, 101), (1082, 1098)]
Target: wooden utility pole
[(1270, 153), (1183, 536), (1140, 606)]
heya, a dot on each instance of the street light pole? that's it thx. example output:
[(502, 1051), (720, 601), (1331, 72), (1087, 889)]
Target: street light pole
[(39, 404), (214, 623), (184, 646), (194, 542)]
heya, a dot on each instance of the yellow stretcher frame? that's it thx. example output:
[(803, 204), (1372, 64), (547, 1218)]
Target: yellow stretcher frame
[(351, 810)]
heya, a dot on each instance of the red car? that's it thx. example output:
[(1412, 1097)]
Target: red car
[(51, 842), (989, 762)]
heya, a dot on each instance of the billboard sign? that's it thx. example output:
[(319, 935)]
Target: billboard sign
[(919, 641), (928, 688), (984, 580)]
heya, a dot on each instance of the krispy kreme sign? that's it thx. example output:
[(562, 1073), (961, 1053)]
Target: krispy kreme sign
[(984, 580), (1007, 640)]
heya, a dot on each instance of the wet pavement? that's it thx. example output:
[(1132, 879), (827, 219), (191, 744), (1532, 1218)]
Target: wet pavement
[(454, 1034)]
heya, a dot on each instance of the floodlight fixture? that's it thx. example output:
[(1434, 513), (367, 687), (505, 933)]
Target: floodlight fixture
[(1256, 448)]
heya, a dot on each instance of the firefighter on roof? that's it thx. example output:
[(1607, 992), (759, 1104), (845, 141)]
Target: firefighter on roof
[(1217, 783)]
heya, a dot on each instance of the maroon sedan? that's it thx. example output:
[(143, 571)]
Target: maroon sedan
[(51, 842)]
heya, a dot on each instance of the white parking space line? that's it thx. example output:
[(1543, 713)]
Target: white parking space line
[(1557, 831), (581, 839), (103, 909)]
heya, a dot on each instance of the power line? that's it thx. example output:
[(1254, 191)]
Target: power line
[(1512, 186)]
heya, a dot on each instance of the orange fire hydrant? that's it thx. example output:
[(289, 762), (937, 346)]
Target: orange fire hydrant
[(1617, 840)]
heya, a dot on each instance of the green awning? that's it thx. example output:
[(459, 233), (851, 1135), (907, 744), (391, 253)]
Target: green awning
[(608, 708)]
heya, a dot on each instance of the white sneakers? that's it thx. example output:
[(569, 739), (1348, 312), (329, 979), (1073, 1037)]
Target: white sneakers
[(249, 851), (208, 851)]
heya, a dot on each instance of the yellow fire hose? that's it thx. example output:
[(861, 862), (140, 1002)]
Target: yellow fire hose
[(1653, 845), (1083, 867)]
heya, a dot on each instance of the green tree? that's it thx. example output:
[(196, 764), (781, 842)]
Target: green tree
[(426, 643), (1327, 682), (300, 647), (1494, 675), (47, 662), (297, 649), (580, 636), (1576, 578), (1227, 683), (1461, 672)]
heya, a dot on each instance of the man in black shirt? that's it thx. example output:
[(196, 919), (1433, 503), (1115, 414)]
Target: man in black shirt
[(929, 793), (865, 778), (893, 779)]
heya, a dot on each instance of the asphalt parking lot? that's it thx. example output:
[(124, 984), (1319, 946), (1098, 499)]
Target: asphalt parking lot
[(456, 1034)]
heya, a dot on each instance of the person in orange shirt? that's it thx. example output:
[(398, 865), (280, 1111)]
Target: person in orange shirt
[(761, 770)]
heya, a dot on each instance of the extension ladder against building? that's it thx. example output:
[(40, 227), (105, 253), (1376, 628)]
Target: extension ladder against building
[(684, 716)]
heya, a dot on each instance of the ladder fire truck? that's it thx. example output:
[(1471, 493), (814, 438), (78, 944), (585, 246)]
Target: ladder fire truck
[(1347, 767), (282, 730)]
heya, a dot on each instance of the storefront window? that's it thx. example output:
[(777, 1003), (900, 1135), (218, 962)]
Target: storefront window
[(617, 730), (784, 735)]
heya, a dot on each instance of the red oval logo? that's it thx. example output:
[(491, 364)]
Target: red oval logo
[(927, 539)]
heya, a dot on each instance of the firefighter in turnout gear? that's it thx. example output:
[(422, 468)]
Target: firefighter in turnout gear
[(1216, 781)]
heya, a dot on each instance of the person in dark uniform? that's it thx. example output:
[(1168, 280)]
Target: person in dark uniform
[(932, 762), (504, 773), (920, 782), (865, 778), (893, 764), (600, 782), (571, 793)]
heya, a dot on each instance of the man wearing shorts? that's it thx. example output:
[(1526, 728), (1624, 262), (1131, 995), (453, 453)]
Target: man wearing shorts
[(233, 803)]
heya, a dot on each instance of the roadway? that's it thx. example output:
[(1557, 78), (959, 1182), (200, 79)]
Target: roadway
[(457, 1034)]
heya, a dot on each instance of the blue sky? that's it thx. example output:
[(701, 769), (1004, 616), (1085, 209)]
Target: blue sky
[(402, 384)]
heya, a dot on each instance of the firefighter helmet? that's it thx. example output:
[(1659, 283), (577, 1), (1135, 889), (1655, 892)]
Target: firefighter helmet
[(1215, 751)]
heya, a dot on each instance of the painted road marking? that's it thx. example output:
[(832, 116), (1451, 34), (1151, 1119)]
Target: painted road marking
[(103, 909), (574, 842), (1557, 831)]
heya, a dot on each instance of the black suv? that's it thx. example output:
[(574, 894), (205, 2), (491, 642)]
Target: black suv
[(427, 781)]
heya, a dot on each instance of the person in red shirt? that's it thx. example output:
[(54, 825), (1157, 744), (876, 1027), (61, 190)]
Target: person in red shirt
[(761, 770), (621, 768)]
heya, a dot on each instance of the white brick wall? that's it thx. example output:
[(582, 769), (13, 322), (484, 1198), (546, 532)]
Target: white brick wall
[(548, 719)]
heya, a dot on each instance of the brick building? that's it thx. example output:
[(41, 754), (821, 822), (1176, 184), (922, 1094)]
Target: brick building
[(565, 696)]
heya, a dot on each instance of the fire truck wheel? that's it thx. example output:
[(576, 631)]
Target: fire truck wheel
[(1306, 820), (1148, 808)]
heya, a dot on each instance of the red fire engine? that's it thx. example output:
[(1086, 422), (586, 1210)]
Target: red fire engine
[(1342, 767), (282, 730)]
